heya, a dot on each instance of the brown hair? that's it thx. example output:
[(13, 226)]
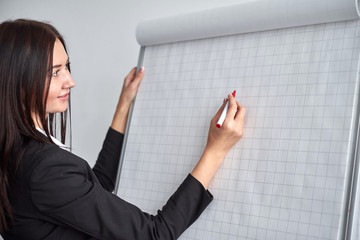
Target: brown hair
[(26, 50)]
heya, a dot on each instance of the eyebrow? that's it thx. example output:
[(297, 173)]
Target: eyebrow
[(59, 65)]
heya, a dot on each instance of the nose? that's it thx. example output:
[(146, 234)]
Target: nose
[(69, 82)]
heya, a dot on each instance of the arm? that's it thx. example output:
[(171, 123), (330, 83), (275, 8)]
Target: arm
[(67, 194), (108, 160), (107, 164)]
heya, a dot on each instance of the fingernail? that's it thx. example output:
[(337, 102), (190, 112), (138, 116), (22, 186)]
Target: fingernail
[(142, 69)]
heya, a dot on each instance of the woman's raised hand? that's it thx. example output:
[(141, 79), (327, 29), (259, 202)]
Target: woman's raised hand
[(220, 141)]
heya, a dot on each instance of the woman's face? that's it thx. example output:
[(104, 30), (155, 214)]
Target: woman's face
[(60, 82)]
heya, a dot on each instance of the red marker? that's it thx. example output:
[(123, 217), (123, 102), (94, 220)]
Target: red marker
[(224, 112)]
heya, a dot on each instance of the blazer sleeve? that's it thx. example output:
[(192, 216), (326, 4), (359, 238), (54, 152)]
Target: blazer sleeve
[(67, 194), (107, 163)]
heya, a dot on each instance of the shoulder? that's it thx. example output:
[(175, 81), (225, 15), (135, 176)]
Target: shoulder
[(46, 153), (42, 157)]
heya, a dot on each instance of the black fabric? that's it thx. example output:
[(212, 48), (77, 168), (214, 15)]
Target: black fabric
[(58, 196)]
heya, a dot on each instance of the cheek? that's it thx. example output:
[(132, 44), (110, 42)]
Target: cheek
[(52, 97), (51, 94)]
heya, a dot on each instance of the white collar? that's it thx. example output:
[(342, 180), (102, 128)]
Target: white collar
[(56, 141)]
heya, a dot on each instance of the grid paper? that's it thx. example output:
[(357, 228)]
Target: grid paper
[(285, 179)]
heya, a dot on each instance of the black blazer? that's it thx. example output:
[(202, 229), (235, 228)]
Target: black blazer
[(58, 196)]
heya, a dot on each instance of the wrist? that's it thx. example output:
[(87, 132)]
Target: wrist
[(212, 156), (215, 153), (206, 168), (120, 117), (123, 106)]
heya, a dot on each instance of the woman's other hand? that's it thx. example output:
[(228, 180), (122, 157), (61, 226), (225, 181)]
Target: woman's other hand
[(128, 93)]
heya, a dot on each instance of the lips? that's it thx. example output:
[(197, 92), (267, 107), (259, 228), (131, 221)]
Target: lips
[(64, 97)]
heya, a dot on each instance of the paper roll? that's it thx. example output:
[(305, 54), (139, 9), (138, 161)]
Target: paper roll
[(247, 16)]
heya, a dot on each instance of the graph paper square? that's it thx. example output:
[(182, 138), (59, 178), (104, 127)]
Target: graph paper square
[(286, 178)]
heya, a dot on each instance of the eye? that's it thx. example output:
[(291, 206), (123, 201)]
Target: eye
[(56, 73)]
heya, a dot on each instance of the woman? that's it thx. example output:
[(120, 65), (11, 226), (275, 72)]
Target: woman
[(49, 193)]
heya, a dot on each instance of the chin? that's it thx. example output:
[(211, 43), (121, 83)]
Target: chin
[(61, 111), (58, 110)]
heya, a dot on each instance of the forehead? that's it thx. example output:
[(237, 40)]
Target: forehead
[(59, 55)]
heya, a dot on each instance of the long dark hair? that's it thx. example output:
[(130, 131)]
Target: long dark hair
[(26, 53)]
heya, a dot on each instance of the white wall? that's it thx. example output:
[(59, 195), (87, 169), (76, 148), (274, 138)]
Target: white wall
[(101, 41)]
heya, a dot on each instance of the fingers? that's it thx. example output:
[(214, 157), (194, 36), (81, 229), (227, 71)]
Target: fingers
[(139, 76), (130, 76), (240, 119), (236, 111), (133, 77), (236, 115), (240, 114), (232, 107), (217, 115)]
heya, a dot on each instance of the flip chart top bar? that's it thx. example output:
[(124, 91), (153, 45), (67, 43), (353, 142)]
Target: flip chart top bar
[(247, 16)]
